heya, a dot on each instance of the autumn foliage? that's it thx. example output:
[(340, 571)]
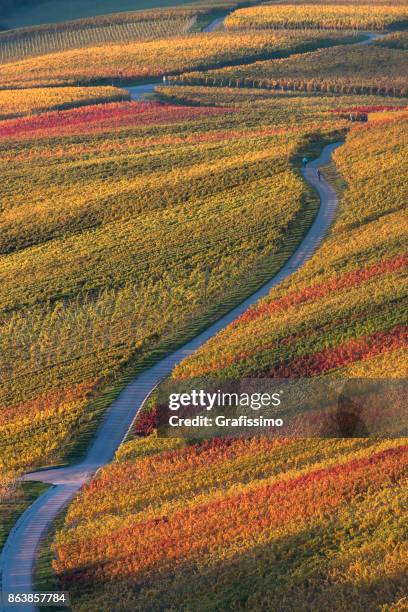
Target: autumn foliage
[(130, 205), (18, 102), (338, 309), (130, 226), (94, 119), (349, 16), (339, 72), (155, 530)]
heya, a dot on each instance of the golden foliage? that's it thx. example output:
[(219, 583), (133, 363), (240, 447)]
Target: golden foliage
[(18, 102)]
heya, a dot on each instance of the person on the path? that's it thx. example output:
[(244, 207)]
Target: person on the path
[(304, 161), (319, 175)]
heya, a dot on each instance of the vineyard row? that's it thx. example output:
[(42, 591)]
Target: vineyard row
[(289, 85)]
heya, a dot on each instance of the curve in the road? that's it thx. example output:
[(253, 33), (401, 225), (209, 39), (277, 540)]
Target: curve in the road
[(214, 25), (138, 92), (19, 554), (371, 37)]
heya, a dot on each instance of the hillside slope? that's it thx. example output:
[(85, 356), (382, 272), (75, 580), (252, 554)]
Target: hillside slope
[(288, 524)]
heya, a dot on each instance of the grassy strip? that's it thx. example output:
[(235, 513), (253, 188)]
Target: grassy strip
[(45, 579), (333, 176), (10, 509)]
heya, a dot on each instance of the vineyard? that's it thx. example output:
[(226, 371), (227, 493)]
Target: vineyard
[(169, 518), (291, 103), (19, 14), (398, 40), (119, 193), (14, 103), (106, 30), (141, 60), (157, 532), (96, 119), (322, 16), (132, 226), (148, 185), (385, 72), (333, 307), (14, 498)]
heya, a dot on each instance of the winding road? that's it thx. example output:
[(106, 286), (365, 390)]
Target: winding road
[(139, 91), (19, 553)]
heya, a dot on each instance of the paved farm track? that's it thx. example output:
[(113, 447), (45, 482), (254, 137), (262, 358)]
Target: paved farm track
[(19, 554)]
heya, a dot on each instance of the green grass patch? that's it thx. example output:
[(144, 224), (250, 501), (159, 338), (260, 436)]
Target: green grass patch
[(45, 579), (10, 509)]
